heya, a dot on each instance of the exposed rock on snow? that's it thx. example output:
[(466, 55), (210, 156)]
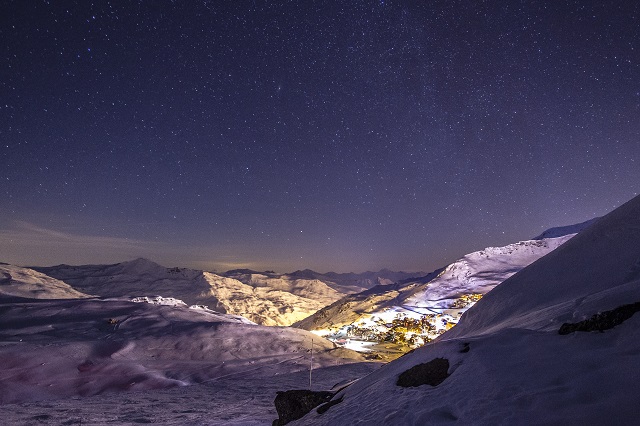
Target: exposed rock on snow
[(602, 321), (430, 373), (294, 404), (325, 407)]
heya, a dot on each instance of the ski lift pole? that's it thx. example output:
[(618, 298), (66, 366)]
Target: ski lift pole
[(311, 364)]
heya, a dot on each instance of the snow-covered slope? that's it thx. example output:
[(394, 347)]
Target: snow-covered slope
[(83, 347), (507, 361), (436, 300), (345, 283), (25, 282), (264, 304), (310, 288), (565, 230), (262, 299), (479, 272)]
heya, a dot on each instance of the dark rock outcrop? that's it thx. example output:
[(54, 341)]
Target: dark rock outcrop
[(325, 407), (602, 321), (430, 373), (294, 404)]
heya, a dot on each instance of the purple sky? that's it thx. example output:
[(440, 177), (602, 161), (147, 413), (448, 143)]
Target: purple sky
[(328, 135)]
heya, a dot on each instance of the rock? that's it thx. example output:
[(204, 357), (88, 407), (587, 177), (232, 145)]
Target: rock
[(430, 373), (324, 407), (294, 404), (602, 321)]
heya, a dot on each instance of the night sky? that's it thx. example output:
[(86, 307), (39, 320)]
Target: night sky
[(332, 135)]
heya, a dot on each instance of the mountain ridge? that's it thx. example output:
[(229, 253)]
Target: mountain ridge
[(433, 303)]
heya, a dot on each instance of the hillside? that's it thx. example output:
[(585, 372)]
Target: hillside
[(263, 297), (518, 356), (413, 312), (25, 282), (264, 301)]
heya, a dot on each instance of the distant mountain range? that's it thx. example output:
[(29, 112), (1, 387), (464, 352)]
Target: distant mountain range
[(263, 297), (267, 298), (342, 282)]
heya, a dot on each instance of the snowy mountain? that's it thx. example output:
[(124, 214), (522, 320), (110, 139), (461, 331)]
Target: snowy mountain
[(266, 301), (415, 311), (25, 282), (310, 288), (261, 299), (565, 230), (518, 356)]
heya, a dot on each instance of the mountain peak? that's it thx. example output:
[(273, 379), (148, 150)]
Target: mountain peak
[(140, 265), (561, 231), (305, 273), (232, 272), (589, 266)]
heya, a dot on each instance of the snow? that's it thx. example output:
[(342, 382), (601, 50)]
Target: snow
[(244, 399), (358, 345), (112, 361), (518, 369), (356, 282), (53, 349), (159, 300), (565, 230), (268, 301), (25, 282), (265, 298), (436, 301)]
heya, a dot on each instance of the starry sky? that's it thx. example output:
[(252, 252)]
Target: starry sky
[(332, 135)]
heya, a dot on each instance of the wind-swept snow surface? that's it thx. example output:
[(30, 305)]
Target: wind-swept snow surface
[(57, 349), (507, 362)]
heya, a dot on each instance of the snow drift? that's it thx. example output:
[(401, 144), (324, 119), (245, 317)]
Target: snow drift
[(83, 347)]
